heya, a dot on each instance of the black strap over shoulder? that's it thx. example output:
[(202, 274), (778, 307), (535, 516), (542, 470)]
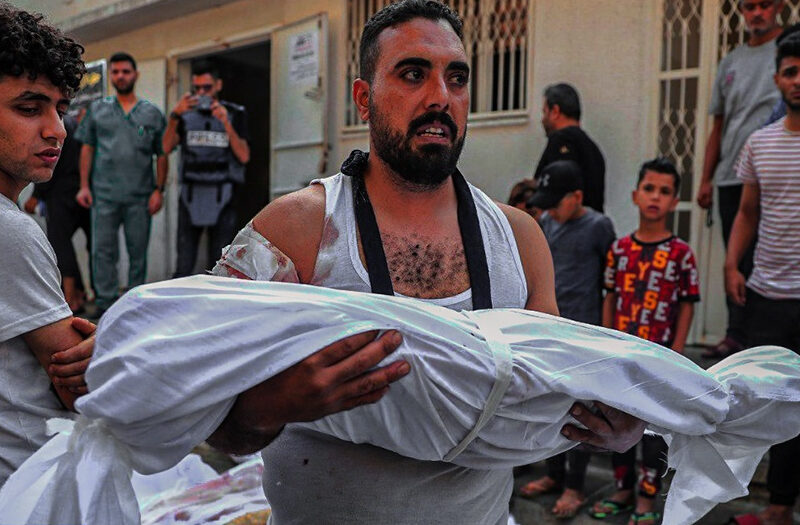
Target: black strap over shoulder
[(468, 224)]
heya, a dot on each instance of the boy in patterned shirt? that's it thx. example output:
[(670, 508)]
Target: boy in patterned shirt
[(651, 287)]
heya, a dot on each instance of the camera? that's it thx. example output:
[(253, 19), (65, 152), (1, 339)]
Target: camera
[(204, 103)]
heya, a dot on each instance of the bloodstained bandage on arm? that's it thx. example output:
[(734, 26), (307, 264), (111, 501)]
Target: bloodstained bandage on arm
[(251, 256)]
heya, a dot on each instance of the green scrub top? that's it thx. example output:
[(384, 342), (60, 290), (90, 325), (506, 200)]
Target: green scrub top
[(122, 167)]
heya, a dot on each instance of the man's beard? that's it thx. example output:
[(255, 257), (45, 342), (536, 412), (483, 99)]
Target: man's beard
[(124, 89), (421, 170), (791, 106)]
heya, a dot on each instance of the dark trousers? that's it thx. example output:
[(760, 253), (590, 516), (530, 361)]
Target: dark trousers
[(569, 468), (654, 465), (219, 235), (777, 322), (729, 197), (64, 217)]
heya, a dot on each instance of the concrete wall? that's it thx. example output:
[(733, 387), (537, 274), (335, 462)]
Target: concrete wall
[(604, 47)]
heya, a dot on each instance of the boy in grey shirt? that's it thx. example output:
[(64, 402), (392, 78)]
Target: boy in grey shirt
[(579, 238)]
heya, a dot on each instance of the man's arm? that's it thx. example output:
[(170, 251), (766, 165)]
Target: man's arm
[(170, 139), (57, 337), (84, 196), (171, 136), (157, 197), (743, 232), (682, 324), (609, 306), (335, 378), (537, 262), (238, 145), (705, 195)]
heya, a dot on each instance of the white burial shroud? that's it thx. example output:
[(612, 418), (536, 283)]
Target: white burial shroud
[(487, 390)]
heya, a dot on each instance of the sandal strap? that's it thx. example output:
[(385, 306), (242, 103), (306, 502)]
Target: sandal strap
[(636, 517), (610, 508)]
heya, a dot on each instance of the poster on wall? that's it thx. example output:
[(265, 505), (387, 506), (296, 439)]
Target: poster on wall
[(304, 58), (93, 86)]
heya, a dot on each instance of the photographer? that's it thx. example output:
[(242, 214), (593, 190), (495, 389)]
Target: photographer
[(214, 151)]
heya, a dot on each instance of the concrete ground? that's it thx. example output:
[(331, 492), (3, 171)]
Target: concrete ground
[(599, 485)]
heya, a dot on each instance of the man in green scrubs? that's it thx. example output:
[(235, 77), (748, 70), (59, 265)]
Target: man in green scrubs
[(120, 136)]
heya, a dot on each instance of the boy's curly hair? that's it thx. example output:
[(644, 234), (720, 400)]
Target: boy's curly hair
[(28, 45)]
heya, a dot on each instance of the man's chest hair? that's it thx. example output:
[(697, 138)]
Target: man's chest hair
[(426, 267)]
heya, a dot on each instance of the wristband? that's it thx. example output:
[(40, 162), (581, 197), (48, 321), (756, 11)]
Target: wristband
[(174, 115), (160, 188)]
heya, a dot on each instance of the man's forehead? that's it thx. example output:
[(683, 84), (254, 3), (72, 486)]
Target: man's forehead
[(420, 37), (23, 88), (203, 77), (789, 63)]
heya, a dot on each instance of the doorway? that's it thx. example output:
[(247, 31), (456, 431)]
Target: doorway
[(245, 73)]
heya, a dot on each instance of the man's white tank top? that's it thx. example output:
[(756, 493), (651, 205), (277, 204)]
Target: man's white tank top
[(311, 478)]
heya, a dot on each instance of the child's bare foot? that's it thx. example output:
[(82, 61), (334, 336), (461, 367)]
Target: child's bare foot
[(545, 485), (568, 504)]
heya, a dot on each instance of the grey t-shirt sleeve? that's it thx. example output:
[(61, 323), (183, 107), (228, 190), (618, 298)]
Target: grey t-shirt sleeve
[(606, 236), (158, 136), (31, 297), (717, 105)]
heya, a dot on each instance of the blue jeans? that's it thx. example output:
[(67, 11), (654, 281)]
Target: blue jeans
[(107, 217)]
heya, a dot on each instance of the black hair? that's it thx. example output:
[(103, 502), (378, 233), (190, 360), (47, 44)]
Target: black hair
[(792, 29), (28, 45), (205, 67), (122, 56), (565, 97), (521, 192), (789, 47), (394, 14), (661, 165)]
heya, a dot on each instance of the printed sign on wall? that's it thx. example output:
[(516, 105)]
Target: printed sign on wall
[(304, 58)]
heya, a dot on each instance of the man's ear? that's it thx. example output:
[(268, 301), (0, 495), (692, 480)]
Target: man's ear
[(579, 196), (361, 98), (218, 84)]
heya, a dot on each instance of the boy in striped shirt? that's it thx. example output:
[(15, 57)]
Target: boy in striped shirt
[(769, 167)]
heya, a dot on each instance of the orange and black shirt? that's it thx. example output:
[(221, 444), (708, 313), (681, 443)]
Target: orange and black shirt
[(650, 279)]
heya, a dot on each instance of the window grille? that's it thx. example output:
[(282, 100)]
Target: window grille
[(496, 42), (732, 28), (681, 68), (678, 81)]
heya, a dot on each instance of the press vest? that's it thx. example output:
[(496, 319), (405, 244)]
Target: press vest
[(208, 168), (206, 155)]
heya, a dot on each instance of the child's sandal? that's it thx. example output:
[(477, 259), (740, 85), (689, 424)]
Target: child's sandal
[(645, 518), (607, 508)]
